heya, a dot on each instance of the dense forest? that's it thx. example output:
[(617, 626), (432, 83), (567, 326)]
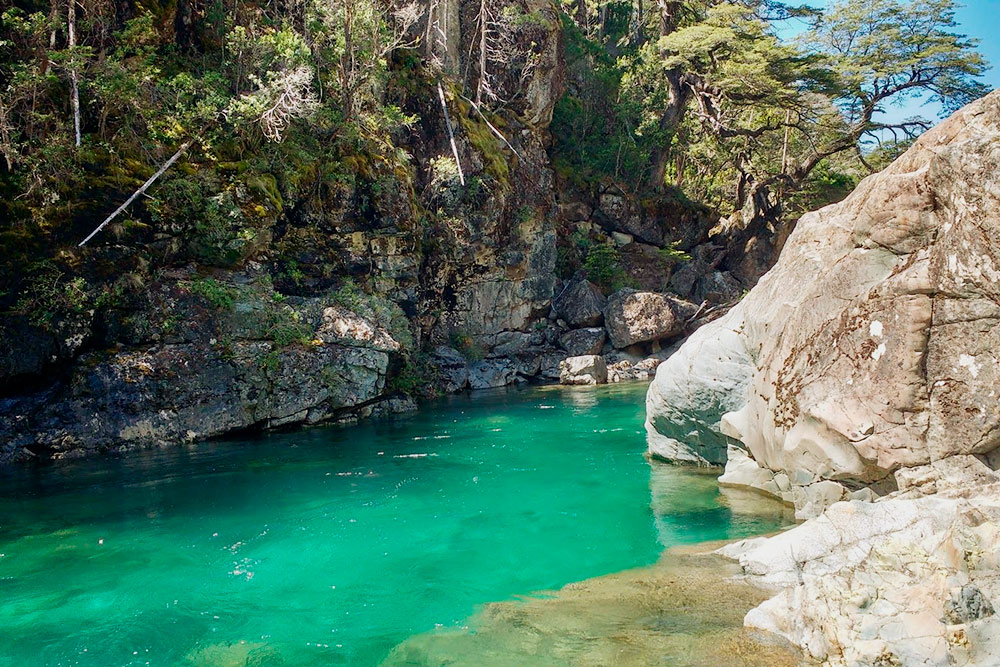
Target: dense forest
[(393, 154)]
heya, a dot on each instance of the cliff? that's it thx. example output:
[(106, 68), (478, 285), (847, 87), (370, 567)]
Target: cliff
[(863, 367)]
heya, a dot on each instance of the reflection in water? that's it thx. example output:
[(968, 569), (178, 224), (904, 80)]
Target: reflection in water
[(686, 500)]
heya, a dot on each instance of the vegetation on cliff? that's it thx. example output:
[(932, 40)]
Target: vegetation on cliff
[(406, 146)]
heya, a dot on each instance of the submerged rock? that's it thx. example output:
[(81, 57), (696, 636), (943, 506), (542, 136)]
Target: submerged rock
[(681, 611)]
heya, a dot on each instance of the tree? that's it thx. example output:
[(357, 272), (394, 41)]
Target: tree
[(756, 98)]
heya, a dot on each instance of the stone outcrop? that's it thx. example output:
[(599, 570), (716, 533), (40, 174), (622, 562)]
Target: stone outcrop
[(870, 348), (583, 341), (634, 317), (221, 354), (908, 580)]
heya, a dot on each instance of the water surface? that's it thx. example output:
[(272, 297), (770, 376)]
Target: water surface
[(332, 545)]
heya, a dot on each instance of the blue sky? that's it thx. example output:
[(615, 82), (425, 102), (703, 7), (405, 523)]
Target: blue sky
[(977, 18)]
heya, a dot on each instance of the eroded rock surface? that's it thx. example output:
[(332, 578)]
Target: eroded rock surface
[(871, 347), (857, 381), (901, 581)]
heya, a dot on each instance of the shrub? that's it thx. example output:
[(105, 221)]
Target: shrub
[(604, 268)]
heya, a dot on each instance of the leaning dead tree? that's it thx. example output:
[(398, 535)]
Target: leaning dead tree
[(451, 134), (290, 96), (145, 186)]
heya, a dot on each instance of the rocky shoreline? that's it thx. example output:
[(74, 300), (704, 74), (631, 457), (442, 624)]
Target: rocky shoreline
[(225, 352)]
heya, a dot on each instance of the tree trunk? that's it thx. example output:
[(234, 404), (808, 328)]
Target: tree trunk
[(347, 64), (677, 97), (74, 78), (581, 14), (671, 117), (142, 189), (482, 52)]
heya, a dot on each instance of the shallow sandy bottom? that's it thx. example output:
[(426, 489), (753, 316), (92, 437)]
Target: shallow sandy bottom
[(685, 610)]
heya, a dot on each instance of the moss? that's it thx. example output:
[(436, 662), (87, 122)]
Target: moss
[(486, 143), (267, 186)]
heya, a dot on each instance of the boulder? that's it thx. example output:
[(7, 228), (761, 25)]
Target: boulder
[(580, 304), (510, 343), (585, 369), (583, 341), (870, 347), (634, 317)]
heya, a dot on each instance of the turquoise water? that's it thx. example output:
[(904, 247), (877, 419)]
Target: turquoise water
[(332, 545)]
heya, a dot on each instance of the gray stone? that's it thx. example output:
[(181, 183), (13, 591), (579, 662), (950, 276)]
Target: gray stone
[(492, 373), (451, 367), (637, 317), (580, 304), (583, 341)]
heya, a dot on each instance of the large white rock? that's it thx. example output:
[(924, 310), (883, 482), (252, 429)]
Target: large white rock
[(873, 345), (708, 377)]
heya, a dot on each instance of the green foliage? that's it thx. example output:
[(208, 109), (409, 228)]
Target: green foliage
[(414, 377), (594, 126), (604, 267), (51, 295), (672, 254), (219, 295), (289, 330), (466, 345)]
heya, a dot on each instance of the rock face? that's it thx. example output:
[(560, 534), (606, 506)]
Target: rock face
[(583, 341), (185, 392), (857, 382), (580, 304), (257, 360), (637, 317), (870, 348), (586, 369)]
